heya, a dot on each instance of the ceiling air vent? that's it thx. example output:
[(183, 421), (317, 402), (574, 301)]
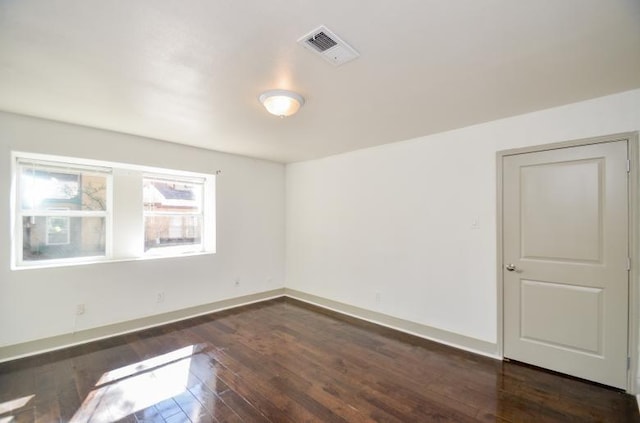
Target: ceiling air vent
[(329, 46)]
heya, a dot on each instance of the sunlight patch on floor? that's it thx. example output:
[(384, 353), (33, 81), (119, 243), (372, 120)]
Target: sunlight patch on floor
[(13, 404), (133, 388), (147, 364)]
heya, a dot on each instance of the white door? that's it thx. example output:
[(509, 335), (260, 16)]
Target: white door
[(565, 256)]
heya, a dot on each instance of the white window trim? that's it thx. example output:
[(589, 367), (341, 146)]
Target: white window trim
[(117, 249), (19, 161)]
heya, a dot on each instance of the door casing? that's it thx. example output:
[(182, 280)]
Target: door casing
[(634, 238)]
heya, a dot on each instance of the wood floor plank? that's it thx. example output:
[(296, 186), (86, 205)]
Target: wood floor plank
[(287, 361), (380, 381), (217, 408)]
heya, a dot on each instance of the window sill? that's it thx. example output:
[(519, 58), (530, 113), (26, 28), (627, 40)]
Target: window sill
[(100, 260)]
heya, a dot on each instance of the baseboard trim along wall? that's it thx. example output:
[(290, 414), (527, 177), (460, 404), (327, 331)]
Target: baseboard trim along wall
[(39, 346), (412, 328)]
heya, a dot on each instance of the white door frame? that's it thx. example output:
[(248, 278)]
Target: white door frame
[(634, 239)]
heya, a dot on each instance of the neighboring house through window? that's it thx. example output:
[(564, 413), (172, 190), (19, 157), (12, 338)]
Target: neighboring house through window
[(173, 213), (58, 231), (63, 211)]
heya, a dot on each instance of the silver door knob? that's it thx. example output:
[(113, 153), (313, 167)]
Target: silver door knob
[(510, 267)]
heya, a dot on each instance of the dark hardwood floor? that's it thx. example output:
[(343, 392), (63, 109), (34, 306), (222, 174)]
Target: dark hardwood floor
[(285, 361)]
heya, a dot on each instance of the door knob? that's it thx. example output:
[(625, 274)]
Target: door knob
[(510, 267)]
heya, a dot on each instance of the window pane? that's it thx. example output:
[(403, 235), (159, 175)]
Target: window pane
[(45, 188), (171, 196), (172, 230), (58, 237), (173, 212)]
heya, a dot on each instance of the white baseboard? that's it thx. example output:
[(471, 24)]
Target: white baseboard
[(455, 340), (417, 329), (39, 346)]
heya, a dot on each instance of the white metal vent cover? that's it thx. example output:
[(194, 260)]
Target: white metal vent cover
[(329, 46)]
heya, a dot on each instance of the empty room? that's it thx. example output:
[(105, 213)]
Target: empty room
[(367, 211)]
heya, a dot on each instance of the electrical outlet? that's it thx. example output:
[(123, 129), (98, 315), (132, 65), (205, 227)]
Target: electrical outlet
[(80, 309), (160, 297)]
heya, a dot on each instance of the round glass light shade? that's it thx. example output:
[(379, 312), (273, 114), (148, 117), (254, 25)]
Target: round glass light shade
[(281, 102)]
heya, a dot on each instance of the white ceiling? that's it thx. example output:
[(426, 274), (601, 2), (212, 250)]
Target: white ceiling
[(191, 71)]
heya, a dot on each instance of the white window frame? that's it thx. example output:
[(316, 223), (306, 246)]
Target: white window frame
[(69, 166), (124, 224)]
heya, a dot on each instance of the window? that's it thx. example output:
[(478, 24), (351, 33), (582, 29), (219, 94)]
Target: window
[(63, 211), (173, 213), (58, 230)]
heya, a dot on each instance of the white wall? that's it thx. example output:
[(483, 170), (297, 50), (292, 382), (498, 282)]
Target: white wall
[(40, 303), (396, 219), (400, 219)]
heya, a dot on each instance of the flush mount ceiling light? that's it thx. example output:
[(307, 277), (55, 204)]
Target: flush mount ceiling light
[(281, 102)]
